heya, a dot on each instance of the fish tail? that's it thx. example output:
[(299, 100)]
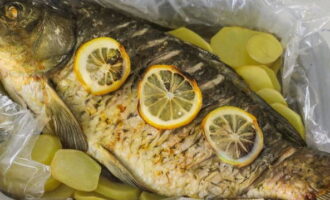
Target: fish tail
[(304, 175)]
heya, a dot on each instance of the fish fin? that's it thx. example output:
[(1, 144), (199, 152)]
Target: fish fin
[(64, 124), (324, 196), (116, 167)]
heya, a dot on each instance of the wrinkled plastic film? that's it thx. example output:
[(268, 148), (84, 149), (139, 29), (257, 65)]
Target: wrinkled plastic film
[(303, 27), (19, 175)]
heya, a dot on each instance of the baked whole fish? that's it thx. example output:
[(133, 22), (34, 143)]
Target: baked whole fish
[(38, 41)]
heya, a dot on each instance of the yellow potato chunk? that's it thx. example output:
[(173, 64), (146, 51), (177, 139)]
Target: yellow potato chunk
[(256, 77), (230, 45), (76, 169), (277, 65), (271, 96), (45, 148), (117, 191), (264, 48), (292, 117), (272, 77), (78, 195), (190, 36), (150, 196), (62, 192), (51, 184)]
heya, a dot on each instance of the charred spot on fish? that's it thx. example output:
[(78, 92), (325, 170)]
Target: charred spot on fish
[(131, 115), (121, 107), (107, 64)]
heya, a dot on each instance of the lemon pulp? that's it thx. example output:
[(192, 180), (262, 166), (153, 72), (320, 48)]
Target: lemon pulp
[(167, 98), (102, 65), (234, 134)]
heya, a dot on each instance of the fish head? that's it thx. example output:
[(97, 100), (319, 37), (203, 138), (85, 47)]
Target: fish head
[(34, 37)]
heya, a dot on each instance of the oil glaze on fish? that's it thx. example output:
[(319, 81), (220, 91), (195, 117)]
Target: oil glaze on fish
[(37, 46)]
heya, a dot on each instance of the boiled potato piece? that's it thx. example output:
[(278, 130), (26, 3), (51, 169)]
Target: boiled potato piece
[(45, 148), (277, 65), (272, 96), (272, 77), (62, 192), (189, 36), (264, 48), (230, 45), (291, 116), (117, 191), (256, 77), (76, 169), (51, 184), (150, 196), (78, 195)]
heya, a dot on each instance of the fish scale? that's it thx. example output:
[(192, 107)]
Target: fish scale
[(182, 158), (153, 47), (178, 162)]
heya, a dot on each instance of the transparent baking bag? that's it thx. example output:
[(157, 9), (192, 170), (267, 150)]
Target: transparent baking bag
[(302, 26)]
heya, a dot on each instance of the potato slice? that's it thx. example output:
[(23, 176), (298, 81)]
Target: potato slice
[(51, 184), (256, 77), (62, 192), (272, 77), (78, 195), (271, 96), (150, 196), (117, 191), (45, 148), (292, 117), (230, 45), (76, 169), (190, 36), (264, 48), (277, 65)]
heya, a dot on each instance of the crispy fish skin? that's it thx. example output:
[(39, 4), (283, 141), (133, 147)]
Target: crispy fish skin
[(177, 162)]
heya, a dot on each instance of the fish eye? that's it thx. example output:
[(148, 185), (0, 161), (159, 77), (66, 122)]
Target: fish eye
[(12, 10)]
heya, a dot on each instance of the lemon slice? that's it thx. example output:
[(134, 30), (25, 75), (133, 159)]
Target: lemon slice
[(234, 134), (167, 98), (102, 65), (264, 48), (190, 36)]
